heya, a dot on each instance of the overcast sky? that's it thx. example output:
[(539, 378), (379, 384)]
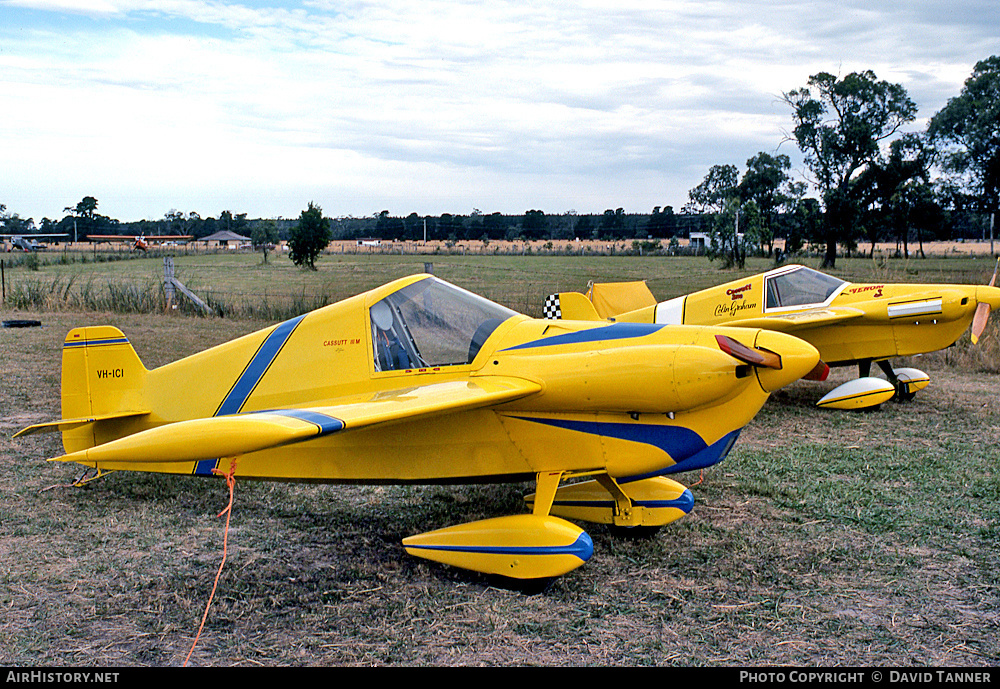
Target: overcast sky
[(437, 106)]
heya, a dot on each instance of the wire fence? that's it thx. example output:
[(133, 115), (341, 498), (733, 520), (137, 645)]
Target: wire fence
[(241, 285)]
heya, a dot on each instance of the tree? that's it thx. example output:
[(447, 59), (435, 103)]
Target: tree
[(495, 225), (12, 223), (968, 130), (534, 225), (804, 224), (307, 239), (840, 132), (86, 220), (915, 207), (715, 191), (767, 185), (718, 195), (264, 236), (662, 223), (888, 185), (388, 227), (613, 224), (86, 208)]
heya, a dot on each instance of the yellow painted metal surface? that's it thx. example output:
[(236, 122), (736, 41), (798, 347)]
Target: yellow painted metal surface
[(861, 393), (647, 502), (846, 322), (524, 546), (851, 322)]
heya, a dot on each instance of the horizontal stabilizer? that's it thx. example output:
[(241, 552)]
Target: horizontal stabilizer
[(210, 438), (68, 424)]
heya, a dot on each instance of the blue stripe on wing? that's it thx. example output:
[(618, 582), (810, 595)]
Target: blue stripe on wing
[(324, 423)]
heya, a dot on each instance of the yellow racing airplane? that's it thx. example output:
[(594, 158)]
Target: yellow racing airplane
[(849, 323), (420, 381)]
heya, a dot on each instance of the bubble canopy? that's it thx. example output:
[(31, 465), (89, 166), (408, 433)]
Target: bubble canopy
[(800, 286), (432, 323)]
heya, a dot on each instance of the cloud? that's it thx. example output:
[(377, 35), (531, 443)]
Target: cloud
[(443, 104)]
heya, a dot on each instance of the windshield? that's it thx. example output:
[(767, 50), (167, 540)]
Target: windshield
[(800, 287), (432, 323)]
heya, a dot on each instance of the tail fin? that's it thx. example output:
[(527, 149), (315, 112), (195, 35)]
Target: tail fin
[(569, 306), (102, 380), (612, 299)]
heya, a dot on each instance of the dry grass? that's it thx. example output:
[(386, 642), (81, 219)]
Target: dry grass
[(825, 539)]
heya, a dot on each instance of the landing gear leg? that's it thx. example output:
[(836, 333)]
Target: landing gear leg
[(903, 393), (546, 485), (625, 512)]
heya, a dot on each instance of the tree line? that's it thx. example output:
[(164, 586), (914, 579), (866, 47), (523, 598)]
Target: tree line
[(871, 182)]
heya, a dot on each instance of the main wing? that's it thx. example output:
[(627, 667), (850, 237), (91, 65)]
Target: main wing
[(238, 434), (790, 322)]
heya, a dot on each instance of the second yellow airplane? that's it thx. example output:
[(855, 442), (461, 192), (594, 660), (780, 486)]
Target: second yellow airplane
[(850, 324)]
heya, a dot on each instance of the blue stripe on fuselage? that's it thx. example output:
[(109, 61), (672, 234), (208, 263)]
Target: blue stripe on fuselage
[(687, 448), (676, 441), (257, 367), (616, 331), (205, 467)]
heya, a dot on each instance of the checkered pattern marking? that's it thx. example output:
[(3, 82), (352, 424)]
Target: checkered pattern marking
[(552, 310)]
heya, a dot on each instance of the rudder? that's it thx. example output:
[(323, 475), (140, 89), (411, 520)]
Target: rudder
[(102, 377)]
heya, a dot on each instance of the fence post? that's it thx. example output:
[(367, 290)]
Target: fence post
[(168, 280)]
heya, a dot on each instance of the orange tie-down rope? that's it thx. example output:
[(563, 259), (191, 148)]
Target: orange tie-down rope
[(231, 483)]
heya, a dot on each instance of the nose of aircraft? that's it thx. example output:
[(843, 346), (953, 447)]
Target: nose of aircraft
[(989, 295), (798, 358)]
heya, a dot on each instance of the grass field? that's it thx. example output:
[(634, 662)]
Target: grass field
[(826, 538)]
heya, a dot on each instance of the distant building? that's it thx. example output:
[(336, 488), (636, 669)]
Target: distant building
[(699, 240), (223, 238)]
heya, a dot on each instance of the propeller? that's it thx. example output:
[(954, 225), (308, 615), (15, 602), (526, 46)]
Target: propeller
[(754, 357), (983, 311)]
